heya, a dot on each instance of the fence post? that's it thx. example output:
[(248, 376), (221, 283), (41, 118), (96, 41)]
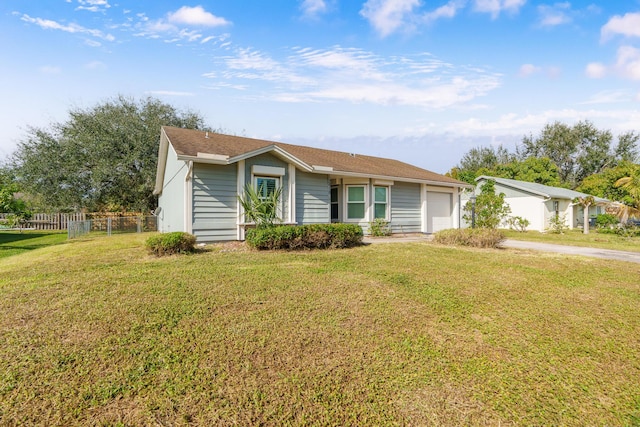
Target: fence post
[(109, 226)]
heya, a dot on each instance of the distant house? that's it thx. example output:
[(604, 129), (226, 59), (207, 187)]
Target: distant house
[(200, 175), (539, 203)]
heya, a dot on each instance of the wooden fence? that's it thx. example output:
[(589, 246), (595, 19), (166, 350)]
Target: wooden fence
[(60, 221)]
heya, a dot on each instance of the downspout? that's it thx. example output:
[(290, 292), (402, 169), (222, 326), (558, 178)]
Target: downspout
[(240, 179), (188, 198)]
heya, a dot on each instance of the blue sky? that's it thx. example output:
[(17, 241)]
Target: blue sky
[(416, 80)]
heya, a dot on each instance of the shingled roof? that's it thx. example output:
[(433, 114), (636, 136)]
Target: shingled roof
[(200, 145)]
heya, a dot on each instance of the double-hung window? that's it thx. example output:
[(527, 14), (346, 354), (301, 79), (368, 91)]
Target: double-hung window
[(356, 202), (381, 202)]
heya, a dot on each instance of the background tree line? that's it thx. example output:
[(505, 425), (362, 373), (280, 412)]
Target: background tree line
[(580, 157), (101, 158)]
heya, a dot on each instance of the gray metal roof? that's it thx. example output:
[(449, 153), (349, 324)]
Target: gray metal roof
[(540, 189)]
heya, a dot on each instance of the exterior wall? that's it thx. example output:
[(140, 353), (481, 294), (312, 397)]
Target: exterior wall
[(271, 160), (312, 198), (214, 202), (405, 208), (531, 208), (172, 198)]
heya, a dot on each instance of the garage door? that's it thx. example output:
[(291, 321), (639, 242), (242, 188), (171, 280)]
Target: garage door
[(438, 211)]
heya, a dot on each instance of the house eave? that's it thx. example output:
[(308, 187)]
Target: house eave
[(338, 174)]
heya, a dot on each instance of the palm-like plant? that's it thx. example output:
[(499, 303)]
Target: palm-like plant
[(632, 185), (585, 202), (260, 209)]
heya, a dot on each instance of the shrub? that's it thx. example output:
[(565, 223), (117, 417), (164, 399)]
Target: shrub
[(313, 236), (176, 242), (606, 221), (518, 223), (558, 224), (379, 228), (474, 237)]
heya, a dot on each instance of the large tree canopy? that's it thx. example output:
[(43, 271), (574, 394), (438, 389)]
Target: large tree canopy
[(561, 155), (101, 158), (579, 150)]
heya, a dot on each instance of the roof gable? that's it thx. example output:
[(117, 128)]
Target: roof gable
[(540, 189), (214, 147)]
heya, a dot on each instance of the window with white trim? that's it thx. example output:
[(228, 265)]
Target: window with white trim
[(266, 186), (356, 207), (381, 202)]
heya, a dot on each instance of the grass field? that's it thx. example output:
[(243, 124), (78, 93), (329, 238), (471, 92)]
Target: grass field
[(13, 243), (97, 332)]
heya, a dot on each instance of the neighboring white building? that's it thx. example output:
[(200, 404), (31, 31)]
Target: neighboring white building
[(200, 175), (539, 203)]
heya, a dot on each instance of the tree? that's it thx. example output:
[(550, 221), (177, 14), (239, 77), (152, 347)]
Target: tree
[(479, 158), (579, 150), (603, 184), (585, 202), (9, 203), (632, 185), (101, 158), (490, 208), (532, 169)]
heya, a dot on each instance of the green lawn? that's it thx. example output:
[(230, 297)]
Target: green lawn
[(97, 332), (15, 242), (578, 238)]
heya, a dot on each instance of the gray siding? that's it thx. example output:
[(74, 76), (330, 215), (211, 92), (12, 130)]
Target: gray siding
[(171, 200), (405, 208), (214, 202), (312, 198)]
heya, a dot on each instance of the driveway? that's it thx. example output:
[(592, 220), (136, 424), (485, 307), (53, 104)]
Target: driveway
[(574, 250), (519, 244)]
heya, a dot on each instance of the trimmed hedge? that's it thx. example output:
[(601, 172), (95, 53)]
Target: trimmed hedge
[(474, 237), (313, 236), (176, 242)]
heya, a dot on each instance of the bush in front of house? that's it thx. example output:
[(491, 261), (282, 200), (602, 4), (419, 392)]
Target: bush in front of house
[(312, 236), (176, 242), (474, 237)]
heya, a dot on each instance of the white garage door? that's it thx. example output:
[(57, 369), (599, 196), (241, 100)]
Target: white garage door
[(438, 211)]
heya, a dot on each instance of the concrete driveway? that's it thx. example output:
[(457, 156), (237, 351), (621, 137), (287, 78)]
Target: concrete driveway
[(519, 244), (574, 250)]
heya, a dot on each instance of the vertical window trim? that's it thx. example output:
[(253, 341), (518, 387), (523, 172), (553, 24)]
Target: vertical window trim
[(335, 203)]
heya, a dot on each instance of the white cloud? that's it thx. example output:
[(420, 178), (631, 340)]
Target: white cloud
[(627, 25), (70, 28), (608, 97), (448, 10), (387, 16), (627, 65), (355, 76), (95, 65), (596, 70), (313, 8), (169, 93), (50, 69), (557, 14), (495, 7), (196, 16), (93, 5), (527, 70), (628, 62)]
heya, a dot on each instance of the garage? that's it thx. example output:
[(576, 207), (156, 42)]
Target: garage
[(439, 211)]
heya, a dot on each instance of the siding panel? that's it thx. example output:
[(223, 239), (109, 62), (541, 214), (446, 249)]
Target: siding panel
[(405, 208), (312, 198), (214, 202)]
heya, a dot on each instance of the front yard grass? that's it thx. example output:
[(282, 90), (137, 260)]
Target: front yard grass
[(98, 332), (15, 242), (578, 238)]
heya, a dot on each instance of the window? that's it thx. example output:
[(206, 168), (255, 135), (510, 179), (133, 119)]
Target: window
[(334, 204), (380, 202), (355, 202), (266, 186)]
